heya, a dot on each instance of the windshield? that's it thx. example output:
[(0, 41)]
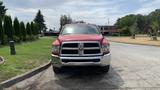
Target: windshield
[(80, 29)]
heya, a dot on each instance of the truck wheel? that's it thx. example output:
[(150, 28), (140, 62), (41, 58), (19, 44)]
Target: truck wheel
[(105, 68), (57, 70)]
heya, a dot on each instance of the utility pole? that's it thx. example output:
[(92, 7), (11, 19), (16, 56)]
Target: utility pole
[(108, 22)]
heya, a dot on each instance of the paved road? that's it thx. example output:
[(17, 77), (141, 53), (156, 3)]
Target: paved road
[(132, 67)]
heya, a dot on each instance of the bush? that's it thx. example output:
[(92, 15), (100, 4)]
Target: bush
[(5, 39), (115, 34), (28, 38), (36, 36), (24, 33), (32, 37), (16, 39), (29, 31), (1, 32), (8, 29), (17, 30)]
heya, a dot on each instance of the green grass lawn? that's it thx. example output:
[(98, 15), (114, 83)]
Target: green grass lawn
[(29, 55)]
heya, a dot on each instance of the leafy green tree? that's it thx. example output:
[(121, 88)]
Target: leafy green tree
[(133, 29), (2, 9), (145, 23), (24, 33), (18, 32), (1, 32), (32, 28), (28, 29), (154, 30), (8, 28), (140, 20), (36, 29), (125, 31), (39, 20), (64, 19), (33, 31), (155, 16), (124, 23)]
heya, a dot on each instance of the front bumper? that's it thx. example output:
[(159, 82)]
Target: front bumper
[(104, 61)]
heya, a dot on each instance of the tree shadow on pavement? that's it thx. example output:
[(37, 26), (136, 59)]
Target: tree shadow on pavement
[(85, 78)]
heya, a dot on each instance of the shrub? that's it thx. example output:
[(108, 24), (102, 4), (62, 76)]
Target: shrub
[(5, 41), (115, 34), (28, 38), (16, 39), (17, 30), (24, 33), (29, 31), (32, 37), (8, 29), (1, 32)]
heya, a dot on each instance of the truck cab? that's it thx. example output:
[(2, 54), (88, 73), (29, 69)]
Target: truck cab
[(80, 45)]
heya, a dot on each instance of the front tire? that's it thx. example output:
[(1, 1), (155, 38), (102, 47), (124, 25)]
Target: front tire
[(57, 70), (105, 69)]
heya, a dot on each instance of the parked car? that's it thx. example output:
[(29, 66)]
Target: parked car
[(80, 45)]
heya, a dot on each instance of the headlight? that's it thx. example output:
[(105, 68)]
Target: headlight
[(55, 50), (106, 48)]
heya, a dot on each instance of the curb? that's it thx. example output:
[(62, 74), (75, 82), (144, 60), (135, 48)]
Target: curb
[(134, 43), (24, 76)]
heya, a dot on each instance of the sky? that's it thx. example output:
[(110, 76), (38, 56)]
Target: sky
[(100, 12)]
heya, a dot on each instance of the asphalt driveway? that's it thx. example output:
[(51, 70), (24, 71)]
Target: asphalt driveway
[(132, 67)]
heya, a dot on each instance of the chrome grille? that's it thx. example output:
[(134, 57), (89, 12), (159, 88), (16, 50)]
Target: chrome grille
[(85, 48)]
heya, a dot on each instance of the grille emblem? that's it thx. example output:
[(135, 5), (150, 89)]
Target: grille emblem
[(80, 46), (80, 49)]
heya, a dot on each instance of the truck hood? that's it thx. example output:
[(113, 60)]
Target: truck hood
[(80, 37)]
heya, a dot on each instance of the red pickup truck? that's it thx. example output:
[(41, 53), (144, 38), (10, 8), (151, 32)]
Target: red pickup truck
[(80, 45)]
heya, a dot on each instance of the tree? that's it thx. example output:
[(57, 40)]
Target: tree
[(64, 19), (125, 23), (125, 31), (154, 30), (39, 20), (32, 28), (155, 16), (140, 20), (1, 32), (28, 29), (24, 33), (133, 29), (36, 29), (8, 28), (145, 23), (2, 9), (18, 32)]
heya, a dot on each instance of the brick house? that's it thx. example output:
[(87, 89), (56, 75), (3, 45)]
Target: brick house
[(108, 30)]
